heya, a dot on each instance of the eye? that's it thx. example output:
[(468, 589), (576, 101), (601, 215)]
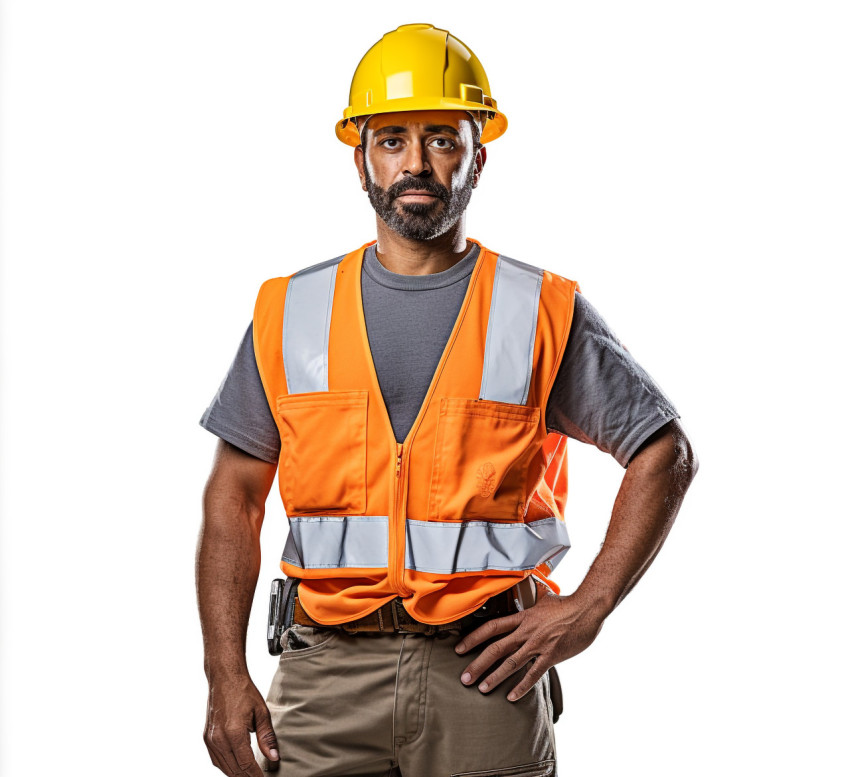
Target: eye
[(386, 143), (443, 143)]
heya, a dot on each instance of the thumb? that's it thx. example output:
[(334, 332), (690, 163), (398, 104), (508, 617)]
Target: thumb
[(266, 739)]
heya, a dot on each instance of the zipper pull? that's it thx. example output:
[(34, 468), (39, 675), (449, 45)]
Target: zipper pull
[(398, 449)]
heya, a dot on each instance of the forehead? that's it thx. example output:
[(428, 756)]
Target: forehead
[(419, 120)]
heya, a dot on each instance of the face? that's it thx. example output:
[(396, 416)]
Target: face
[(419, 169)]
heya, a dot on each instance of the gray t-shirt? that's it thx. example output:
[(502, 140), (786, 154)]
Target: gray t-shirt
[(601, 394)]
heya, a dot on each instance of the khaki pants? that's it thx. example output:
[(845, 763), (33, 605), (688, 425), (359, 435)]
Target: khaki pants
[(393, 705)]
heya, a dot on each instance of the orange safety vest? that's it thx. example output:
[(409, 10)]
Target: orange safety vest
[(473, 500)]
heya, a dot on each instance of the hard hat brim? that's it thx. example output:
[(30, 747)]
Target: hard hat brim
[(347, 131)]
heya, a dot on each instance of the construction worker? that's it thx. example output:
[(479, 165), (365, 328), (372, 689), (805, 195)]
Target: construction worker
[(414, 396)]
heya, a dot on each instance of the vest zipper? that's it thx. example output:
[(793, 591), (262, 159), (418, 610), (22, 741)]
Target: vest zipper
[(396, 562), (395, 577), (397, 527)]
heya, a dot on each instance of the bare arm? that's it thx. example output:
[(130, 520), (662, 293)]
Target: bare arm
[(559, 627), (227, 565), (647, 503)]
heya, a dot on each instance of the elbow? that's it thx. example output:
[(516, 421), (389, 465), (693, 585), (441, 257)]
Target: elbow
[(683, 460), (688, 459), (669, 452)]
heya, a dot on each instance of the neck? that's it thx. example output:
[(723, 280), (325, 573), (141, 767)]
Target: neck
[(421, 257)]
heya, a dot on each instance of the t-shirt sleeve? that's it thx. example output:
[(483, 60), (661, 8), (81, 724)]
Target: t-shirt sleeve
[(239, 412), (601, 395)]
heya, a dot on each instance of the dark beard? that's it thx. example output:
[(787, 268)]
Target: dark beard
[(420, 220)]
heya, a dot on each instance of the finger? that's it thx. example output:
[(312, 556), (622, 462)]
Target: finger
[(212, 754), (487, 630), (216, 744), (487, 657), (266, 739), (218, 763), (245, 760), (510, 665), (225, 761), (537, 670), (241, 756)]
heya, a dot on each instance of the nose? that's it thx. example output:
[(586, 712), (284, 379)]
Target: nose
[(416, 161)]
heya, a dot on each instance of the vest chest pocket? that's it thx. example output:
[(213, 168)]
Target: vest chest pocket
[(323, 452), (481, 456)]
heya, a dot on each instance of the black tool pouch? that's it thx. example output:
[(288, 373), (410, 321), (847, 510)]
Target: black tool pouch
[(555, 694), (281, 611)]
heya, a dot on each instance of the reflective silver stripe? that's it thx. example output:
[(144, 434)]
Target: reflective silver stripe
[(307, 326), (332, 541), (339, 541), (555, 560), (511, 329), (445, 547)]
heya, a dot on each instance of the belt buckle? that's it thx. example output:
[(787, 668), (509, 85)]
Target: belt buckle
[(394, 611), (482, 612)]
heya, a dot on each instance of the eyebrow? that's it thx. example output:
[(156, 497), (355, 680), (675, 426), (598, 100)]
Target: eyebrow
[(397, 130)]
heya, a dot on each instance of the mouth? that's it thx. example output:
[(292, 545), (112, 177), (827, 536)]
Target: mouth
[(416, 195)]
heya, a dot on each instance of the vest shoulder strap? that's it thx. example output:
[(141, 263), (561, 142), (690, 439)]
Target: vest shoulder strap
[(268, 317), (554, 320), (292, 318)]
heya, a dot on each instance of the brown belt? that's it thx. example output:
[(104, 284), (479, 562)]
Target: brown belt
[(392, 618)]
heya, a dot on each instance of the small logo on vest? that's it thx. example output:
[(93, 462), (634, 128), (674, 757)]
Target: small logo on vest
[(486, 479)]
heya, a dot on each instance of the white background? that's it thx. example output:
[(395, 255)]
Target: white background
[(686, 162)]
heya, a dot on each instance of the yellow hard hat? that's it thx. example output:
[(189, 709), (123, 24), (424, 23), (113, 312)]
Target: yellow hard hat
[(419, 67)]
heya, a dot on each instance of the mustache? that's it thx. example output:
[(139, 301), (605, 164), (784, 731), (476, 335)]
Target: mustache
[(422, 184)]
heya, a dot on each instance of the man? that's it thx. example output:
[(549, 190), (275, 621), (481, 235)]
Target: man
[(416, 394)]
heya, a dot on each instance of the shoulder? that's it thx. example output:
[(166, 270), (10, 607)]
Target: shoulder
[(327, 264), (279, 283), (557, 287), (587, 319), (521, 265)]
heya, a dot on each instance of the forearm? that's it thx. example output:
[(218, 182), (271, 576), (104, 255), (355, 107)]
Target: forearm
[(560, 627), (646, 506), (227, 566)]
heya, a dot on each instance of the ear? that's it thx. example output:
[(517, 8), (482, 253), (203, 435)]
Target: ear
[(360, 161), (480, 161)]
